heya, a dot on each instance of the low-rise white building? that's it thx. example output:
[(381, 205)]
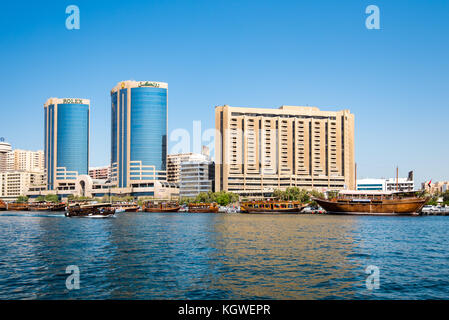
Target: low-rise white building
[(196, 176), (391, 184), (17, 183), (85, 186), (100, 172)]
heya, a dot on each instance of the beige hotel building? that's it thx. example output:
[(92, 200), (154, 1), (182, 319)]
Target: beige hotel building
[(258, 150)]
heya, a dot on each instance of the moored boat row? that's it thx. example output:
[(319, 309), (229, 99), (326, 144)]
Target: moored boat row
[(345, 202)]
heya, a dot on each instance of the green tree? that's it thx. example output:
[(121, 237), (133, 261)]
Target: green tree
[(40, 199), (22, 199), (433, 201), (446, 197), (52, 198)]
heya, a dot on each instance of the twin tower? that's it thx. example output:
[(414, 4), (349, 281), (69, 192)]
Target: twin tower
[(138, 136)]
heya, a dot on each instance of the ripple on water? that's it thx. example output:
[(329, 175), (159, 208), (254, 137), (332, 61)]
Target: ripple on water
[(214, 256)]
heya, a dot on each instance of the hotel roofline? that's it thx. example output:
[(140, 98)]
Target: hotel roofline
[(53, 100), (138, 84), (286, 110)]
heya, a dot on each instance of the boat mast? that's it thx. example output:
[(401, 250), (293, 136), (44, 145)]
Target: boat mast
[(397, 178)]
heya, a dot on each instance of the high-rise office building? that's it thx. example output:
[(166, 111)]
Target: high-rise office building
[(66, 140), (259, 150), (138, 133)]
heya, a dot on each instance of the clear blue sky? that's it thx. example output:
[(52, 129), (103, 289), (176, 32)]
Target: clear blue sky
[(242, 53)]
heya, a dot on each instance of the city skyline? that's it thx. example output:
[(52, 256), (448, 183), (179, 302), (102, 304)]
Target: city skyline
[(397, 91)]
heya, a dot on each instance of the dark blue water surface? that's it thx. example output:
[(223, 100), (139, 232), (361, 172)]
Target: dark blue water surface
[(223, 256)]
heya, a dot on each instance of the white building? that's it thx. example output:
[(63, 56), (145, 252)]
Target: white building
[(174, 165), (17, 183), (391, 184), (85, 186), (20, 160), (196, 176), (5, 150), (26, 160)]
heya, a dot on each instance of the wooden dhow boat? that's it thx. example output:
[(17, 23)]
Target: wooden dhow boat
[(46, 206), (17, 206), (151, 206), (203, 207), (271, 206), (58, 207), (357, 202), (2, 205), (39, 206), (100, 210), (126, 207)]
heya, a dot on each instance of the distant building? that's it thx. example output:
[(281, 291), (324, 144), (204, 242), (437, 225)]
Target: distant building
[(435, 187), (100, 172), (196, 176), (174, 165), (87, 187), (66, 141), (17, 183), (260, 150), (26, 160), (5, 149), (391, 184)]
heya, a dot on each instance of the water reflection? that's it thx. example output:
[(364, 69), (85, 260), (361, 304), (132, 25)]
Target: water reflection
[(285, 257), (216, 256)]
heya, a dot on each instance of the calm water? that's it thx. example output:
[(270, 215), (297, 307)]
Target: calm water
[(217, 256)]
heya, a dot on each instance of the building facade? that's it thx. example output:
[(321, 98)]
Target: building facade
[(138, 133), (391, 184), (197, 174), (66, 140), (174, 165), (5, 150), (17, 183), (435, 187), (100, 172), (26, 160), (259, 150)]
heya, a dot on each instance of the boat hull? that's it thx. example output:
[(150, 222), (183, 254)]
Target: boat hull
[(211, 210), (58, 207), (263, 210), (127, 209), (17, 207), (39, 209), (89, 212), (385, 207), (174, 209)]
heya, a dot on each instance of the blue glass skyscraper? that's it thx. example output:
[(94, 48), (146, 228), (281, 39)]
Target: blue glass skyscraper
[(138, 133), (66, 140)]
